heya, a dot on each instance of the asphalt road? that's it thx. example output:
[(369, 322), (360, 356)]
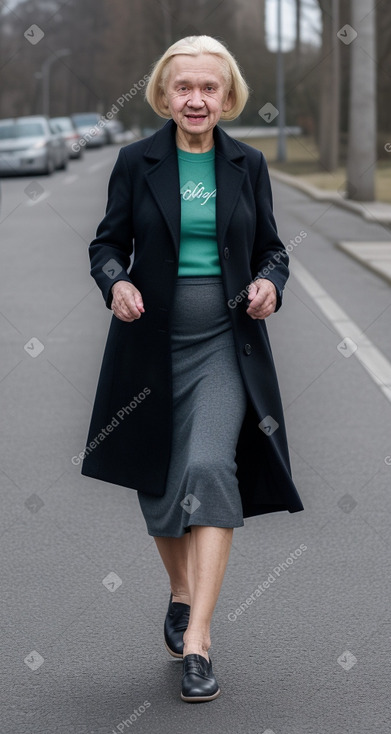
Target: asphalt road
[(84, 592)]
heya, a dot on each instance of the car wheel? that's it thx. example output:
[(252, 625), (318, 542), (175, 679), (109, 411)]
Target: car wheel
[(64, 165), (49, 168)]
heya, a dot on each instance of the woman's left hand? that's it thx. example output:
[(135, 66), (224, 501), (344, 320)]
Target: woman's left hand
[(263, 296)]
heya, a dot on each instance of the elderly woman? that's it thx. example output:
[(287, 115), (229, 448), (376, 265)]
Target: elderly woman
[(187, 409)]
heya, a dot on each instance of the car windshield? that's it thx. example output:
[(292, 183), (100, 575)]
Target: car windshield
[(21, 130), (64, 123), (86, 119)]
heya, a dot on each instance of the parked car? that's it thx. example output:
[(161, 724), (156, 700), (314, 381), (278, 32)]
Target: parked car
[(62, 153), (90, 129), (28, 145), (113, 130), (69, 132)]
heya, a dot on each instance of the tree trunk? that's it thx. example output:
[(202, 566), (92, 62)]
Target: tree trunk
[(330, 87), (298, 31), (362, 111)]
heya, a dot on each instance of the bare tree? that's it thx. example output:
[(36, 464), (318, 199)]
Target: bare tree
[(114, 43), (298, 30), (329, 123), (362, 111)]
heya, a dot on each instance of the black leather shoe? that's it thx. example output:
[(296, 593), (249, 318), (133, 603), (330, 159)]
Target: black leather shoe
[(198, 681), (176, 622)]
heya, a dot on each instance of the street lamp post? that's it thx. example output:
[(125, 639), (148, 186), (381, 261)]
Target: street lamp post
[(281, 146), (45, 73)]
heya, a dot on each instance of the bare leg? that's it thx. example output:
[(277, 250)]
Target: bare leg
[(207, 560), (196, 565), (173, 552)]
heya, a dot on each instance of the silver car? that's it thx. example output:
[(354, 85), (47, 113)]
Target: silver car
[(114, 130), (69, 132), (90, 127), (29, 145)]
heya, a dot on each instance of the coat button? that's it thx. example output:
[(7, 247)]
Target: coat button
[(226, 253), (247, 349)]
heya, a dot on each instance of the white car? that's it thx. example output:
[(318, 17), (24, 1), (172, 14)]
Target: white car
[(90, 128), (69, 132), (29, 145)]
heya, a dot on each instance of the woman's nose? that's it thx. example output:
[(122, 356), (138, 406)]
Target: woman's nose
[(195, 98)]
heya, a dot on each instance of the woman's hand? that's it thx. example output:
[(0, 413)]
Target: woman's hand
[(127, 304), (262, 295)]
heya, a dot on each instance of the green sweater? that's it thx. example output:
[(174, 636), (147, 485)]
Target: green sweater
[(198, 254)]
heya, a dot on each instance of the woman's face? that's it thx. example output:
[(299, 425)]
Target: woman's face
[(196, 92)]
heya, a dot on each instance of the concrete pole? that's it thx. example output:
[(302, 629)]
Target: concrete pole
[(362, 113)]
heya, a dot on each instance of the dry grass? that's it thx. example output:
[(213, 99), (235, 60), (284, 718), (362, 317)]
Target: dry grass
[(303, 161)]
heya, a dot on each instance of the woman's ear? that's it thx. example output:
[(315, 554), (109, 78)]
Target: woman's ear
[(164, 100), (229, 102)]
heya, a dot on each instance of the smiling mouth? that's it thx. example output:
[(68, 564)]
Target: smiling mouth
[(196, 117)]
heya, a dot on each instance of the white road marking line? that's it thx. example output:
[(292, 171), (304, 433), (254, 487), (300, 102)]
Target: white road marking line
[(371, 358), (70, 179), (41, 197)]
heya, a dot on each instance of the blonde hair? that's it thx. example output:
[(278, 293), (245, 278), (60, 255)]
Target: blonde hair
[(194, 46)]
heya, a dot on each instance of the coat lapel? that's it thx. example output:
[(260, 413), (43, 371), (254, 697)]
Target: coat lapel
[(229, 180), (163, 179)]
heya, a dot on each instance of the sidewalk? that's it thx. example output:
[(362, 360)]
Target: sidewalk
[(373, 255)]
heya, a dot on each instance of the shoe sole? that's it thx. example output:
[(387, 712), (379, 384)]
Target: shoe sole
[(174, 654), (200, 699)]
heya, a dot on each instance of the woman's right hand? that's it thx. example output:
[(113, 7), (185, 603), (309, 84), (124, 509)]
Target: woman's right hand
[(127, 303)]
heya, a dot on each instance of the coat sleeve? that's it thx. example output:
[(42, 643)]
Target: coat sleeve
[(269, 258), (110, 251)]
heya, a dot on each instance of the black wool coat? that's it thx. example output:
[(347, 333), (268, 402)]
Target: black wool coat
[(129, 439)]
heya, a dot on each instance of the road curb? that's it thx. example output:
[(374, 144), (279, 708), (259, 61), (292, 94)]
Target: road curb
[(375, 256), (371, 211)]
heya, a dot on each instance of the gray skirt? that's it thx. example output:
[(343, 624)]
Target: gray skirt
[(209, 403)]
